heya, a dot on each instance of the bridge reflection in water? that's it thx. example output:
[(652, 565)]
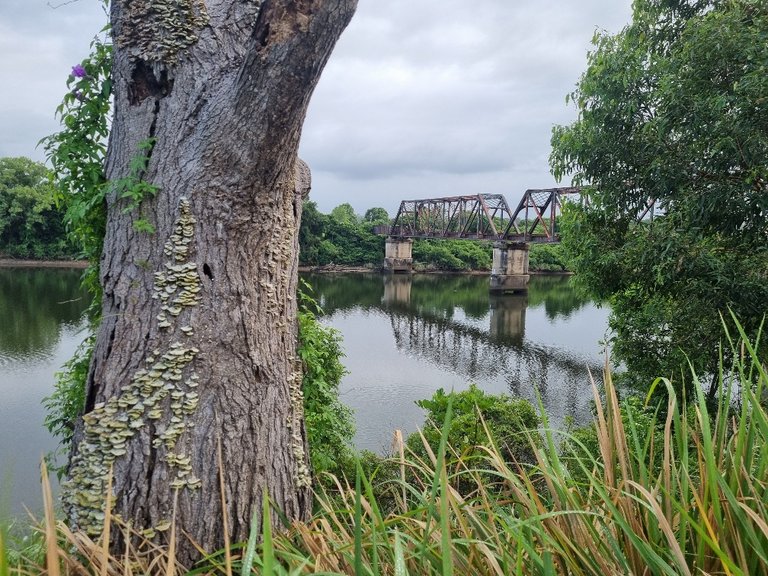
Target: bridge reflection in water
[(447, 331)]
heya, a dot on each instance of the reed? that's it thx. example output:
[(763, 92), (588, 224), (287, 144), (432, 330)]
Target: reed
[(686, 495)]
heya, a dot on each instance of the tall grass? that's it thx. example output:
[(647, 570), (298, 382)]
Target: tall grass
[(686, 495)]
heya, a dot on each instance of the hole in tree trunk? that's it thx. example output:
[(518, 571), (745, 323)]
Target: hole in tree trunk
[(207, 271), (144, 83)]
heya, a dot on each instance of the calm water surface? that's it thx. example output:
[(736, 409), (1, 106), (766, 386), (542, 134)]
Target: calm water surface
[(41, 325), (404, 338)]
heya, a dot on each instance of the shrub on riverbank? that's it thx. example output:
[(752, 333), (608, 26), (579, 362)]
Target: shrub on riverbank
[(609, 508), (478, 420), (452, 255), (329, 423)]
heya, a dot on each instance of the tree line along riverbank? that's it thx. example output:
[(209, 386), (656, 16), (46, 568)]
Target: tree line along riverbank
[(33, 233)]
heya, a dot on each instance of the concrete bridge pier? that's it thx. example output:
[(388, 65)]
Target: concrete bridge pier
[(510, 267), (398, 255)]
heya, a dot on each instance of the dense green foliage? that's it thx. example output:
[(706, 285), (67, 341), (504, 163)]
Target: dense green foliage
[(672, 110), (476, 415), (340, 238), (31, 225), (77, 154), (547, 258), (330, 424), (453, 255), (66, 403), (470, 422)]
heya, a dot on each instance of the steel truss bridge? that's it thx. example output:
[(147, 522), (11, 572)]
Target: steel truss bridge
[(481, 217)]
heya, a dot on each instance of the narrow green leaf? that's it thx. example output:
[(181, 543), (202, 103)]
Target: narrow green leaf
[(549, 564), (269, 551), (400, 569), (374, 551), (441, 482), (250, 549), (445, 527), (358, 521)]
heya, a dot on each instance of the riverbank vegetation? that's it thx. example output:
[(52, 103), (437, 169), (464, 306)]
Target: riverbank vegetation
[(680, 490), (33, 226), (344, 238)]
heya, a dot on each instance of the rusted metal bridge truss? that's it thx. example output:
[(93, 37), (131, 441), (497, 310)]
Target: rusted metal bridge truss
[(481, 217)]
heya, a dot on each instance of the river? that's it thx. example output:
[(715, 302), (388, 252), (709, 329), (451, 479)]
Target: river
[(404, 338), (41, 325)]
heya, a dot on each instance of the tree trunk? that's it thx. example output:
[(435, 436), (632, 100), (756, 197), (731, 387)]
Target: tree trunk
[(197, 345)]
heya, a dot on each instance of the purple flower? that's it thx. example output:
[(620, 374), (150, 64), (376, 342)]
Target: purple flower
[(78, 71)]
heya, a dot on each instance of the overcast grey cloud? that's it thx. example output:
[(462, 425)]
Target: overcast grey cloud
[(421, 98)]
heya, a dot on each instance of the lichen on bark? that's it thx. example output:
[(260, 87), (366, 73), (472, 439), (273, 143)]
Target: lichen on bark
[(160, 398)]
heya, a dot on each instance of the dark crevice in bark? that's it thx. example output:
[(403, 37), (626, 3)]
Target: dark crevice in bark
[(90, 399), (145, 84), (111, 340), (152, 130), (150, 468), (153, 126), (261, 29), (207, 271)]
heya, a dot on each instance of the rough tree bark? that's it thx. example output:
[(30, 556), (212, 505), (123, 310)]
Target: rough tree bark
[(197, 344)]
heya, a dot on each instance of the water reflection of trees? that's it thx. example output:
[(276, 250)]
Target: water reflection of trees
[(441, 294), (34, 303), (339, 292), (557, 295), (453, 322)]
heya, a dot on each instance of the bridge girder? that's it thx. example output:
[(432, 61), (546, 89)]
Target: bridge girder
[(481, 217)]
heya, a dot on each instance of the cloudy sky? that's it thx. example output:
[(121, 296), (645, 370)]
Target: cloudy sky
[(421, 99)]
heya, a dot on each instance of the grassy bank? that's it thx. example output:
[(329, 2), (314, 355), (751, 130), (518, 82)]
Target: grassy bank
[(679, 490)]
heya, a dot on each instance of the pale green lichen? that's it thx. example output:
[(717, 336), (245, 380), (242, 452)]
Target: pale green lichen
[(161, 397), (178, 286)]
